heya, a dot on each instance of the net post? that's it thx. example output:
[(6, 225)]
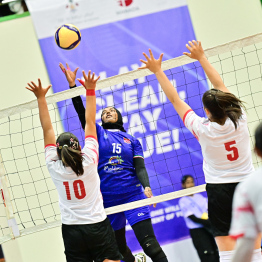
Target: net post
[(14, 230)]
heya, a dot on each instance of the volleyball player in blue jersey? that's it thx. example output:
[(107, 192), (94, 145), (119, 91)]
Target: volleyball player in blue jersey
[(122, 173)]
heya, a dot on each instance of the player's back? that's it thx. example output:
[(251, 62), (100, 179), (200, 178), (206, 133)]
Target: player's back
[(226, 150), (80, 199)]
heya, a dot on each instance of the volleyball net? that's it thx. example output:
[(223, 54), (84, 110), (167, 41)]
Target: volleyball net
[(29, 199)]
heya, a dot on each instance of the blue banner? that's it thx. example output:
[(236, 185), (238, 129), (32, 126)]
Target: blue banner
[(113, 48)]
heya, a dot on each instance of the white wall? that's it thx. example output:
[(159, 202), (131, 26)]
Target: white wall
[(222, 21), (215, 22)]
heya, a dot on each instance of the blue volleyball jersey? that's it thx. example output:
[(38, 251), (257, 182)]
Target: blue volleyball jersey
[(117, 150)]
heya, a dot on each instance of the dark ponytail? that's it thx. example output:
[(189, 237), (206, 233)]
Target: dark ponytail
[(222, 105), (68, 150)]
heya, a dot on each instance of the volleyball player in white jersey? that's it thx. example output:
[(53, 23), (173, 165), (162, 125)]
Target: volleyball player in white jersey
[(87, 233), (247, 210), (224, 140)]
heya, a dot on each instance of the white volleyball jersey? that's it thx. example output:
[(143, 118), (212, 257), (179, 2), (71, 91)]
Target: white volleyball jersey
[(193, 205), (80, 199), (226, 150), (247, 207)]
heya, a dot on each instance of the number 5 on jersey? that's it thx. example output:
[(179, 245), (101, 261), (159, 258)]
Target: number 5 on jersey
[(234, 155)]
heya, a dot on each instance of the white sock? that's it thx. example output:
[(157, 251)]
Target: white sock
[(226, 256), (256, 255)]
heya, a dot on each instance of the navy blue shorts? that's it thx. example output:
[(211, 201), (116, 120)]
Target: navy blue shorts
[(133, 216)]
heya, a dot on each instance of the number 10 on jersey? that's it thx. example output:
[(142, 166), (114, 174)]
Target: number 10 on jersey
[(79, 189)]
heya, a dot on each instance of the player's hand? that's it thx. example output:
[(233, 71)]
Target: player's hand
[(149, 194), (90, 80), (196, 50), (38, 90), (154, 65), (70, 75)]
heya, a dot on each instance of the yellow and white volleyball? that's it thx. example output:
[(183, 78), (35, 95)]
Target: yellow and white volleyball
[(67, 36), (204, 215)]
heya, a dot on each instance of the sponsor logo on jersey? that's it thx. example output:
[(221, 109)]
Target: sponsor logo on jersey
[(115, 160), (126, 140), (140, 214)]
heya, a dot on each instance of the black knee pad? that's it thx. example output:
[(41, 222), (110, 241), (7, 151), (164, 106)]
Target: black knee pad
[(152, 248)]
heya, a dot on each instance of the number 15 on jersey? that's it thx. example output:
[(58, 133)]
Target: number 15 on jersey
[(117, 148)]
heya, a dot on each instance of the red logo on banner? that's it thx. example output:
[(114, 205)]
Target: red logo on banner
[(125, 2)]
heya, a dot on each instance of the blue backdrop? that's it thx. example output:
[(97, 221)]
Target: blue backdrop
[(170, 150)]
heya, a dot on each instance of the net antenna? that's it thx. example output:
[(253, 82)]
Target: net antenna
[(29, 197)]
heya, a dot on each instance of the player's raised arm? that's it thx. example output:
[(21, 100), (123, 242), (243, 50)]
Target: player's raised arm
[(77, 101), (90, 85), (40, 92), (197, 52), (154, 65)]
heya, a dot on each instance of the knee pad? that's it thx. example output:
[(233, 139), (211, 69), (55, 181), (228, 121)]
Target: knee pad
[(152, 248)]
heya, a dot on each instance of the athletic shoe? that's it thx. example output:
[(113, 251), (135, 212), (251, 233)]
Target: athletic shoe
[(140, 257)]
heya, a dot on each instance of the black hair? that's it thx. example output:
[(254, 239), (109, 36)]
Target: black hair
[(222, 105), (69, 152), (258, 137), (117, 125), (185, 177)]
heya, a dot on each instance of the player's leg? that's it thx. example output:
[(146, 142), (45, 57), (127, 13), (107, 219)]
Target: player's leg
[(122, 245), (100, 241), (118, 222), (140, 221), (257, 250), (146, 237), (220, 199), (75, 245), (205, 245)]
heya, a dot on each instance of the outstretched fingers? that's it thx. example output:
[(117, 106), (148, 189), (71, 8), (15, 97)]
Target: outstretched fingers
[(187, 54), (161, 57), (188, 47), (67, 66), (146, 56), (62, 67), (30, 89), (81, 81), (195, 42), (84, 75), (97, 78), (31, 86), (39, 83), (151, 53), (48, 88), (75, 71)]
